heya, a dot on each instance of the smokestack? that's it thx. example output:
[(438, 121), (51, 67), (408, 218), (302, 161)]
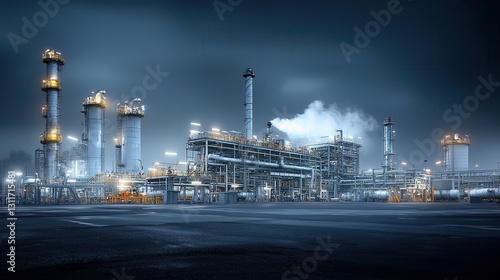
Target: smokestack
[(51, 137), (249, 75), (388, 163)]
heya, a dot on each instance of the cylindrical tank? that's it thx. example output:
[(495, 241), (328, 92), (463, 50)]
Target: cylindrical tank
[(93, 108), (245, 195), (131, 149), (346, 197), (446, 195), (485, 193), (131, 115), (379, 195), (456, 152), (249, 75)]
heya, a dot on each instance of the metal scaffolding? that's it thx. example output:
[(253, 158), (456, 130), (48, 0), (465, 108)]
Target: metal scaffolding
[(254, 168)]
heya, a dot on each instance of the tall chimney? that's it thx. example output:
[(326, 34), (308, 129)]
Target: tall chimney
[(249, 75)]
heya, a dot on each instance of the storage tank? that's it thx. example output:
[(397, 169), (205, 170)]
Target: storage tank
[(130, 115), (378, 195), (456, 152), (93, 136), (446, 195), (485, 193)]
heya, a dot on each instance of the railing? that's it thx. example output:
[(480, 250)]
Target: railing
[(51, 55), (234, 139), (51, 84), (50, 138)]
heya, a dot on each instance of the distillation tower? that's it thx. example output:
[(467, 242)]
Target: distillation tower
[(51, 137), (249, 75), (128, 143), (93, 137), (388, 163)]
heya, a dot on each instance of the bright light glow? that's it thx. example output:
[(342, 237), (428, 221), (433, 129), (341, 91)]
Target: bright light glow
[(156, 163), (403, 163), (196, 183), (195, 124), (124, 181), (427, 171), (72, 138), (194, 131), (71, 180), (19, 173), (438, 162), (170, 154), (215, 129)]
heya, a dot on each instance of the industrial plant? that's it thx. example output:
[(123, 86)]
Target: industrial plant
[(231, 166)]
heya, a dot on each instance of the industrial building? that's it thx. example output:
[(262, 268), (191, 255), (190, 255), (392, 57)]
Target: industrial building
[(232, 166)]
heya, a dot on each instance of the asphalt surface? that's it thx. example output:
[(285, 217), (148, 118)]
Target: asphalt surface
[(255, 241)]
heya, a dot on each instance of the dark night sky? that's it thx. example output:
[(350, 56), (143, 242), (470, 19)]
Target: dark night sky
[(427, 59)]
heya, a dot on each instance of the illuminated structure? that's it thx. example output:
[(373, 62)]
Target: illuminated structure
[(339, 157), (128, 143), (51, 137), (455, 152), (93, 136)]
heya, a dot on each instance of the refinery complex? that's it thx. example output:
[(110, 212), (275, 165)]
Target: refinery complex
[(230, 166)]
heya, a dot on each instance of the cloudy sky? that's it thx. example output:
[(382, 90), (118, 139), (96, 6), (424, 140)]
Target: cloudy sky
[(352, 63)]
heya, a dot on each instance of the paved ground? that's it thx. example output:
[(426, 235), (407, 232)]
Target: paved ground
[(256, 241)]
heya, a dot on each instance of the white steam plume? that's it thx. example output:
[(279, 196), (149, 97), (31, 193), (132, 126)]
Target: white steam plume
[(318, 121)]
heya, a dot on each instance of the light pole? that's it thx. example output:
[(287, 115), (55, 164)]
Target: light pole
[(428, 172)]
